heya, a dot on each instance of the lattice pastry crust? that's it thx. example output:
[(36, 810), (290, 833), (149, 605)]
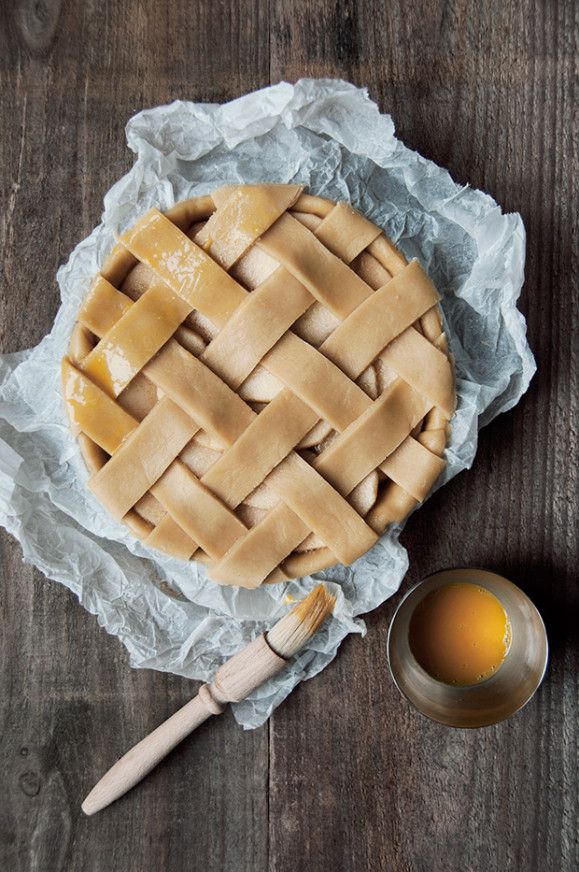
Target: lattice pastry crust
[(259, 380)]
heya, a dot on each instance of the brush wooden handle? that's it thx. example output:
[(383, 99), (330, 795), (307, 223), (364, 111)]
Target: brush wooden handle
[(235, 680), (145, 755)]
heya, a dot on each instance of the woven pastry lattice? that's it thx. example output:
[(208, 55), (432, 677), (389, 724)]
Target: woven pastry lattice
[(259, 380)]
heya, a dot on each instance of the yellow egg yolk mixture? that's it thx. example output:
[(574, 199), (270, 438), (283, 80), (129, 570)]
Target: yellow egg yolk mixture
[(460, 633)]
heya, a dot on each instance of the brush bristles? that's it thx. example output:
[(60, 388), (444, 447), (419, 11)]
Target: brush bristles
[(293, 631)]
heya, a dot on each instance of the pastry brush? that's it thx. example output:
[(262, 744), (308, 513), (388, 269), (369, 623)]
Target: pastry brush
[(235, 680)]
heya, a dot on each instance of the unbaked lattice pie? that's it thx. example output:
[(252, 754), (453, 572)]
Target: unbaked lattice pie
[(259, 380)]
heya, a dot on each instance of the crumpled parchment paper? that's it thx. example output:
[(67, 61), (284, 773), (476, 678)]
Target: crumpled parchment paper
[(329, 136)]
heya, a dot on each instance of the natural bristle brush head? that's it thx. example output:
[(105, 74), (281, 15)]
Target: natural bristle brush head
[(294, 629)]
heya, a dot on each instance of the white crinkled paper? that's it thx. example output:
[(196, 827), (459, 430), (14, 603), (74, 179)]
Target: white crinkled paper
[(330, 137)]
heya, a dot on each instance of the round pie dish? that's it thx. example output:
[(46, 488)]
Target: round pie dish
[(259, 380)]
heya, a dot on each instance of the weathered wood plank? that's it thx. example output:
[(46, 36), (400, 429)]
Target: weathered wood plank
[(370, 785), (71, 75)]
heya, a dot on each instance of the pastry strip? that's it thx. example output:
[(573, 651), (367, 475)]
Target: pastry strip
[(93, 412), (188, 270), (316, 380), (346, 233), (139, 333), (372, 436), (325, 276), (414, 468), (143, 457), (170, 537), (261, 447), (256, 325), (201, 393), (358, 340), (423, 366), (324, 511), (103, 307), (197, 510), (252, 557), (243, 215)]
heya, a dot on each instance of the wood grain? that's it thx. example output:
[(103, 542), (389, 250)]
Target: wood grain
[(488, 90)]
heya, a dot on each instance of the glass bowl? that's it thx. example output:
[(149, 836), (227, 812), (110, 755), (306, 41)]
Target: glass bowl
[(490, 701)]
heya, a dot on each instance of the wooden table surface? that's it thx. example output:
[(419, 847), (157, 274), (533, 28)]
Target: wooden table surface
[(345, 776)]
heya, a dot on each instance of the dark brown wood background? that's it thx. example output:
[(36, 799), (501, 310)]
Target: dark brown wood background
[(344, 777)]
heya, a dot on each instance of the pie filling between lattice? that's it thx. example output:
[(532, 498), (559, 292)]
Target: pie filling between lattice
[(259, 380)]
